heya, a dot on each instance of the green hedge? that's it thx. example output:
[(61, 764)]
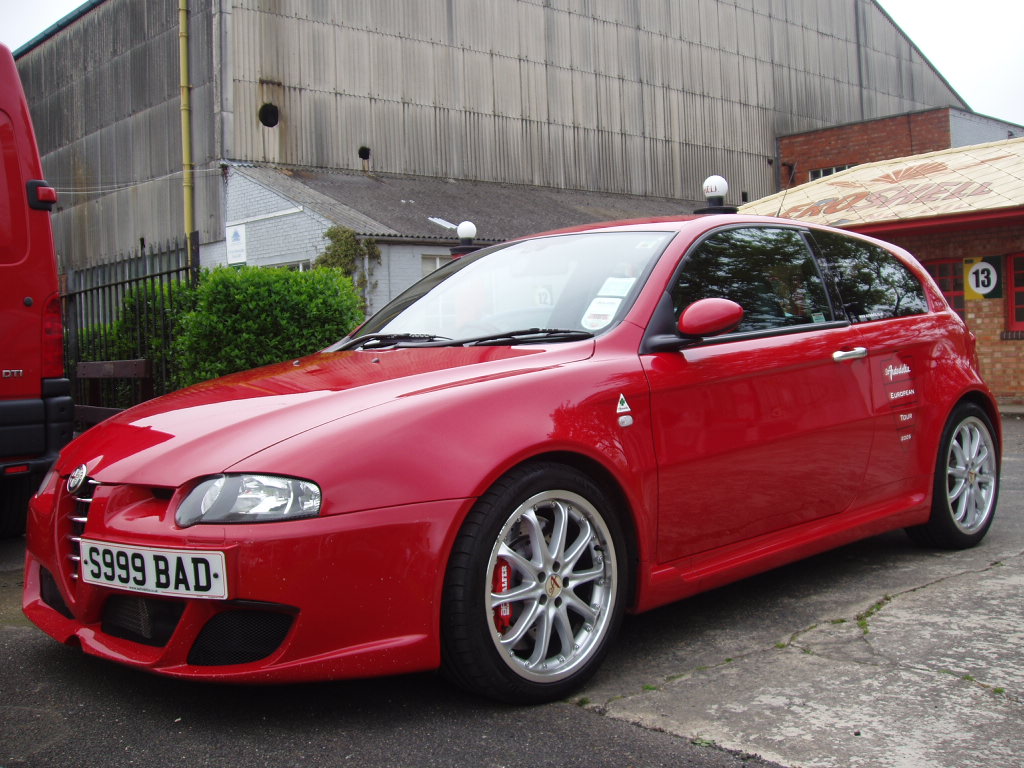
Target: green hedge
[(247, 317)]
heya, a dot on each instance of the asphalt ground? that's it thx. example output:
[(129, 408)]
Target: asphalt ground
[(876, 654)]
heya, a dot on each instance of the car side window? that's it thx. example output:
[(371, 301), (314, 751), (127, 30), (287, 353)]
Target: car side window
[(873, 283), (770, 272)]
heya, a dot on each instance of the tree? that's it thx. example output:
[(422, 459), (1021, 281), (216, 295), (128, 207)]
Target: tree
[(354, 257)]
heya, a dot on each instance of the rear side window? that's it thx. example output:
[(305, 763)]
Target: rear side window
[(770, 272), (874, 284)]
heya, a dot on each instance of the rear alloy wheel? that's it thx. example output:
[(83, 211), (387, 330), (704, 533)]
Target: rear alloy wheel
[(536, 587), (966, 482)]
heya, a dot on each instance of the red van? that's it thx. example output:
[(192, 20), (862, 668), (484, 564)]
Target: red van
[(35, 396)]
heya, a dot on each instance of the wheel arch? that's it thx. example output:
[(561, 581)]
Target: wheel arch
[(611, 486), (988, 405)]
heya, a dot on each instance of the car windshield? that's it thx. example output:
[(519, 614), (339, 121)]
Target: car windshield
[(550, 288)]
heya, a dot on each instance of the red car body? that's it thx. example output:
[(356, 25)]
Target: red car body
[(724, 459)]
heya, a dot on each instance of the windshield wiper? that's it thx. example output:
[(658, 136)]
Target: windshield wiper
[(380, 340), (526, 336), (405, 340)]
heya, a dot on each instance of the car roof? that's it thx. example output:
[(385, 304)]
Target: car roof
[(695, 222)]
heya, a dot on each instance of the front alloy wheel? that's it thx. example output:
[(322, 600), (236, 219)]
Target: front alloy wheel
[(535, 589), (554, 585)]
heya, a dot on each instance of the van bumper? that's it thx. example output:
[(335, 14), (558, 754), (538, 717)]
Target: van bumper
[(34, 430)]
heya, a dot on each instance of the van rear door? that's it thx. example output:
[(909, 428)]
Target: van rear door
[(35, 402)]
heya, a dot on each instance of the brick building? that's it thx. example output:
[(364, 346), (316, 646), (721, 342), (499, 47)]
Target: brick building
[(813, 154), (960, 211)]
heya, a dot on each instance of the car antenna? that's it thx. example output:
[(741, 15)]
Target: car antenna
[(792, 176)]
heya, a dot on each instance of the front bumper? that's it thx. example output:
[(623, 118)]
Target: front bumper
[(353, 595)]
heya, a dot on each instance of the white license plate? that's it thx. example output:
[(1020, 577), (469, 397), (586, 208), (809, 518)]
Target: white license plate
[(184, 573)]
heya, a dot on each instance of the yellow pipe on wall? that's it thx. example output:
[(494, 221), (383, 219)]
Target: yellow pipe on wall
[(186, 129)]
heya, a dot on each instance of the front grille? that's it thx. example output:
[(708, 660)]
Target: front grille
[(51, 595), (78, 514), (143, 620), (239, 637)]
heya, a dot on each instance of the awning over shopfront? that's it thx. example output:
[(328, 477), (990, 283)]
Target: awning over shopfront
[(955, 185)]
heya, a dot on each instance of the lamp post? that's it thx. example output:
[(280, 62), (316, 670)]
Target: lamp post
[(715, 190), (466, 232)]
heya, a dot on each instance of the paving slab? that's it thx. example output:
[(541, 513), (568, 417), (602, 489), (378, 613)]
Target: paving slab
[(904, 687), (875, 655)]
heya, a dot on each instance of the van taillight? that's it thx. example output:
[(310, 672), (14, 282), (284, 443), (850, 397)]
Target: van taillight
[(53, 339)]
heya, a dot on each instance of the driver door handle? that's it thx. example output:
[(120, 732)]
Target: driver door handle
[(849, 354)]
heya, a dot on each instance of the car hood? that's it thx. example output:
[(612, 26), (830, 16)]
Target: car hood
[(211, 426)]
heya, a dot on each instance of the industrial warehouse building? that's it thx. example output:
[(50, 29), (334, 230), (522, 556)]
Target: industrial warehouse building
[(401, 118)]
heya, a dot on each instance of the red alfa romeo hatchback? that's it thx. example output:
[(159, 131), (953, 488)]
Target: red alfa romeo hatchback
[(522, 447)]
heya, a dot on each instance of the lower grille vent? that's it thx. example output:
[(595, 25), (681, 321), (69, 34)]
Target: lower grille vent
[(239, 637), (51, 595)]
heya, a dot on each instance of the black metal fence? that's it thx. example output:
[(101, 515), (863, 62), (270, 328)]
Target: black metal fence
[(124, 310)]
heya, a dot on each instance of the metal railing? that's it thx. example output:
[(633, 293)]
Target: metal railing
[(125, 310)]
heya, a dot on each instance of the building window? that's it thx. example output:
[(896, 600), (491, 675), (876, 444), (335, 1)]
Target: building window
[(434, 261), (1015, 269), (949, 274), (818, 173)]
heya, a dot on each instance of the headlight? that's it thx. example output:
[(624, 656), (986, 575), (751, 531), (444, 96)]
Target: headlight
[(249, 499)]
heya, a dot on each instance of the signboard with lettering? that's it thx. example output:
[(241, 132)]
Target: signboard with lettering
[(950, 182)]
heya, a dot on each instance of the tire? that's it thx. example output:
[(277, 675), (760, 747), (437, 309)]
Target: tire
[(545, 537), (966, 485)]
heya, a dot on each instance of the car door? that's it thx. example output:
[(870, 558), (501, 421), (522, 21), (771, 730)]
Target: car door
[(767, 427), (888, 305)]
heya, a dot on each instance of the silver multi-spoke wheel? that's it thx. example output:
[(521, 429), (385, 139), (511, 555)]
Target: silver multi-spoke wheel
[(552, 585), (536, 585), (966, 483), (971, 475)]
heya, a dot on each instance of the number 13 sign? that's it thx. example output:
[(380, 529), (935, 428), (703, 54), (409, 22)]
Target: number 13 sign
[(982, 278)]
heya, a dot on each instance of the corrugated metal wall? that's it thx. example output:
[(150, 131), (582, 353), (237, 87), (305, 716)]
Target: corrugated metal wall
[(636, 96), (639, 96), (105, 100)]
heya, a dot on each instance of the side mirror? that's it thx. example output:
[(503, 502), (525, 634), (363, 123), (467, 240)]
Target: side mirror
[(710, 317), (707, 317)]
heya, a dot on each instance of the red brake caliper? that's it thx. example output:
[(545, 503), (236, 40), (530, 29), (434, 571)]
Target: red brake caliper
[(501, 582)]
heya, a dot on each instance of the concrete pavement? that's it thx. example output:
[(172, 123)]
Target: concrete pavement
[(878, 654)]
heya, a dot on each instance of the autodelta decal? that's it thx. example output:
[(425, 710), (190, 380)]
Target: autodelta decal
[(899, 390), (899, 381), (892, 370)]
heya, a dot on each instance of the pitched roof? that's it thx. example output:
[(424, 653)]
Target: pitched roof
[(423, 208), (962, 180)]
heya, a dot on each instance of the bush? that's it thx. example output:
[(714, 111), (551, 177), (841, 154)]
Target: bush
[(248, 317)]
